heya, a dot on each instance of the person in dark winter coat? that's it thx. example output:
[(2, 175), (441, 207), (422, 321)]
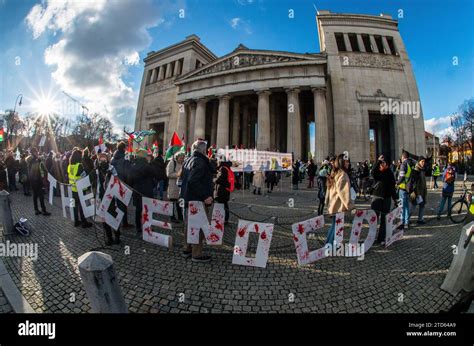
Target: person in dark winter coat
[(12, 169), (159, 169), (141, 180), (24, 175), (122, 167), (295, 174), (270, 178), (3, 173), (322, 180), (196, 186), (36, 175), (311, 169), (222, 186), (48, 162), (383, 193)]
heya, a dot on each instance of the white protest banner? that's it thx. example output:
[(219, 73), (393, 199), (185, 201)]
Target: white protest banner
[(53, 184), (393, 221), (265, 233), (152, 206), (87, 201), (67, 201), (197, 222), (300, 231), (360, 216), (256, 160), (121, 192), (100, 147)]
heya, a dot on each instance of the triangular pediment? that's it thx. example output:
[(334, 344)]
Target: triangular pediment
[(243, 57)]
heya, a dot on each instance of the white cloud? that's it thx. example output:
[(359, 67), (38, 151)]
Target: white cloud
[(240, 24), (441, 126), (245, 2), (234, 22), (96, 42)]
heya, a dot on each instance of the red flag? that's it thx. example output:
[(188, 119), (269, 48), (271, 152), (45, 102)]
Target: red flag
[(155, 145), (101, 141), (130, 144), (175, 141)]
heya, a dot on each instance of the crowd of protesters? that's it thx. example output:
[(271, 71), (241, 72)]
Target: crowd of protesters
[(199, 175)]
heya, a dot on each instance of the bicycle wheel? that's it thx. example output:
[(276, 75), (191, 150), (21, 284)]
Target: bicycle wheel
[(459, 211)]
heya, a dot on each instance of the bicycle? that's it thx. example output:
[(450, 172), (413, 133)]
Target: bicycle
[(460, 209)]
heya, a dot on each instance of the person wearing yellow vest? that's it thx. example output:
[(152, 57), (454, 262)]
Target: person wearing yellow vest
[(75, 171), (402, 182), (436, 174)]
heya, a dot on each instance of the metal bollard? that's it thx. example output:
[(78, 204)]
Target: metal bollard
[(100, 282), (6, 219)]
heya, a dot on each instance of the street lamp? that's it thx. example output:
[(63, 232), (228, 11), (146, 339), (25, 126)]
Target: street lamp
[(20, 96)]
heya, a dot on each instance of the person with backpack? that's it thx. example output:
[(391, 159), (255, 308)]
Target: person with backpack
[(417, 189), (270, 178), (448, 177), (173, 171), (404, 175), (36, 175), (224, 185)]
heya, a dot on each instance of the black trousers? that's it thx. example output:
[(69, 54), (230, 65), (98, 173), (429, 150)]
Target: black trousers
[(226, 207), (78, 209), (109, 231), (38, 194), (381, 206), (137, 201), (26, 187), (12, 181), (270, 185), (321, 207), (177, 211)]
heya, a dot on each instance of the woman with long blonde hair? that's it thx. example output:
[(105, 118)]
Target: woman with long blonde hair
[(338, 192)]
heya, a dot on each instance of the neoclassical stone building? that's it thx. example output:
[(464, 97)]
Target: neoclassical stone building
[(275, 100)]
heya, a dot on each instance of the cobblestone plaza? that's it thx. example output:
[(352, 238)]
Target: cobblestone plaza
[(405, 277)]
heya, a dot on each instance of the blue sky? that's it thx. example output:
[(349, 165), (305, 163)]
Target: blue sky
[(67, 55)]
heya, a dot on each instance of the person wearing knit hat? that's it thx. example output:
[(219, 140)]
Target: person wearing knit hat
[(196, 185)]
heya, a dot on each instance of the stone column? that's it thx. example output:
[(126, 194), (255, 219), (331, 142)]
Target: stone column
[(176, 68), (385, 45), (215, 107), (375, 49), (347, 42), (361, 43), (161, 72), (294, 123), (155, 74), (245, 124), (182, 121), (223, 122), (200, 119), (321, 122), (236, 122), (263, 121), (152, 76), (168, 70), (272, 123)]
